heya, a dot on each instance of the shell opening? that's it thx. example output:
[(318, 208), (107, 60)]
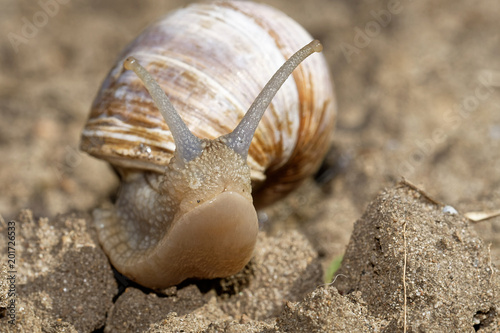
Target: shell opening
[(240, 138), (188, 146)]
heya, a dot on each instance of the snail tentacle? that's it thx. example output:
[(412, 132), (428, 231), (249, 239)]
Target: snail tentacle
[(187, 202), (188, 146), (240, 138)]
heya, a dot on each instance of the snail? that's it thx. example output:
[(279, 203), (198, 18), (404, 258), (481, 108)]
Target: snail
[(189, 180)]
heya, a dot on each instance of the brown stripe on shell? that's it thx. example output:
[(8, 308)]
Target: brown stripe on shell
[(124, 107)]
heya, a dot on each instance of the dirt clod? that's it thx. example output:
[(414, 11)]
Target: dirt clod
[(447, 270)]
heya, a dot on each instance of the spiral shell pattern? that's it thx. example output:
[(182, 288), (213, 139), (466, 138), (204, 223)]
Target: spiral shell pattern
[(212, 59)]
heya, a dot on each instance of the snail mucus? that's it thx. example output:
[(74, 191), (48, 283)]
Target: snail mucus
[(171, 119)]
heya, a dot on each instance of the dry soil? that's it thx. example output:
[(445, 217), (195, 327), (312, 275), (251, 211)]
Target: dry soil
[(418, 88)]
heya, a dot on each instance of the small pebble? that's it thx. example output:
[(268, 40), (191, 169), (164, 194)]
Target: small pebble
[(449, 210)]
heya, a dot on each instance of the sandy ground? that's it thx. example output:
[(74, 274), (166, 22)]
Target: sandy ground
[(418, 87)]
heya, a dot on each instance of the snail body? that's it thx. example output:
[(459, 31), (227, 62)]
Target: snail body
[(185, 207)]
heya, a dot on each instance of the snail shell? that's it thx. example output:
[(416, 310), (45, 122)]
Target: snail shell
[(212, 60)]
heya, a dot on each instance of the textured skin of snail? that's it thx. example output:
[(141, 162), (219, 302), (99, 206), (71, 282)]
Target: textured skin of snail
[(212, 59)]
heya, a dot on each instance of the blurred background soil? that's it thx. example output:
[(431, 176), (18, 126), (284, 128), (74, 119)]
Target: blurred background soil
[(418, 87)]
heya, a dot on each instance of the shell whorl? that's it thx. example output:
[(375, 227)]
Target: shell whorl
[(213, 59)]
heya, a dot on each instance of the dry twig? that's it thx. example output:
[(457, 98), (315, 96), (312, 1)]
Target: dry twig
[(414, 187)]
